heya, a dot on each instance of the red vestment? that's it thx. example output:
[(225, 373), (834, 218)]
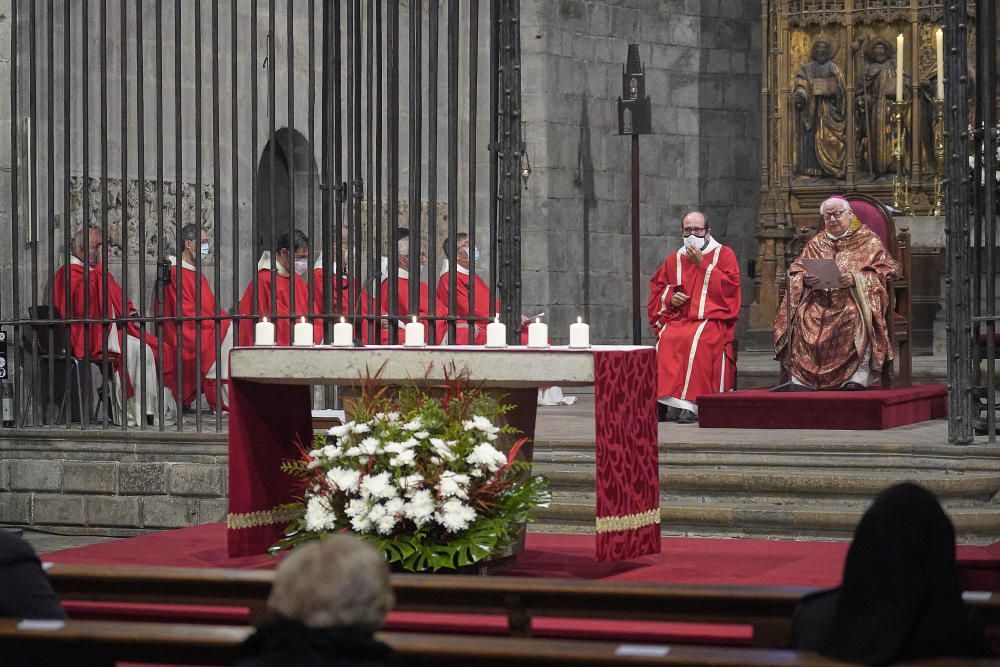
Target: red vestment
[(268, 282), (403, 308), (695, 341), (343, 286), (191, 340), (71, 306), (462, 309)]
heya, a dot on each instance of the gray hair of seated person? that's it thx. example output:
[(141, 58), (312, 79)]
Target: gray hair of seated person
[(822, 207), (336, 582)]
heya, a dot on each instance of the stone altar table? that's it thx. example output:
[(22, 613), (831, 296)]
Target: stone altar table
[(270, 415)]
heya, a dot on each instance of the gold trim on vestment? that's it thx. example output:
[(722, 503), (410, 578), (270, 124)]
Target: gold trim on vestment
[(262, 518), (612, 524)]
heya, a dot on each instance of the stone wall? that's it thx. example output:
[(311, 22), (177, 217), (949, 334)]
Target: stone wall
[(84, 482)]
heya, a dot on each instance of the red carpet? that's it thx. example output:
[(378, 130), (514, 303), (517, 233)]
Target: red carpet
[(872, 409), (682, 561)]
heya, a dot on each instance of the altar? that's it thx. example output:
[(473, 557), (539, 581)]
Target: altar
[(270, 418)]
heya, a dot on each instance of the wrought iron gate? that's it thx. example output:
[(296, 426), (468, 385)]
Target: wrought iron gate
[(346, 120)]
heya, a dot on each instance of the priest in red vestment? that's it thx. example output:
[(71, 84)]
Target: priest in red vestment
[(291, 259), (694, 303), (343, 285), (195, 336), (402, 308), (85, 299)]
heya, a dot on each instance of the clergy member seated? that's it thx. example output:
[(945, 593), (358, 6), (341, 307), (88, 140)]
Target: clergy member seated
[(291, 260), (340, 298), (123, 344), (694, 303), (402, 308), (195, 336), (830, 330)]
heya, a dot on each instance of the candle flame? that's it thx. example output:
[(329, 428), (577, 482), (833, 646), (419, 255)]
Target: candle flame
[(414, 319), (497, 319), (579, 320), (538, 320), (342, 319), (263, 319), (302, 321)]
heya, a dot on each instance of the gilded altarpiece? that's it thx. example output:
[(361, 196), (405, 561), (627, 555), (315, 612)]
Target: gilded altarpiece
[(830, 125)]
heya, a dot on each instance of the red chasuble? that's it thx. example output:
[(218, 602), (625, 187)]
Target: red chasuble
[(462, 308), (266, 283), (72, 307), (403, 309), (191, 339), (343, 285), (694, 346)]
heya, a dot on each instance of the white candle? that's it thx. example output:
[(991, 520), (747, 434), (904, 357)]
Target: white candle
[(303, 334), (538, 334), (414, 333), (496, 333), (939, 35), (343, 334), (579, 334), (899, 67), (263, 333)]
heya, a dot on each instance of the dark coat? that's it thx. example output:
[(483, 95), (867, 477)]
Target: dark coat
[(280, 642), (25, 591)]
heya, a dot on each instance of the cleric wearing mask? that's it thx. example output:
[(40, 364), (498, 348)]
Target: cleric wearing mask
[(694, 303)]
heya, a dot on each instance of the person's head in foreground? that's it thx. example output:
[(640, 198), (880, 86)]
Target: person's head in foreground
[(900, 598), (328, 598)]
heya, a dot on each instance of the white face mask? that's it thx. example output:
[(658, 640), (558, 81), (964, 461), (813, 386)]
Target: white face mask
[(693, 241), (301, 265), (204, 249)]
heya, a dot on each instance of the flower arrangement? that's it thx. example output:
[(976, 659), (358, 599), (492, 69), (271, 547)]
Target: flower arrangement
[(423, 476)]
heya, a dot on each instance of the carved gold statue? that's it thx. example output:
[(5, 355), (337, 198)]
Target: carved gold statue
[(875, 90), (818, 94)]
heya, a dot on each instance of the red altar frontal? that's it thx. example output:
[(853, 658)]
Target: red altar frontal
[(270, 416)]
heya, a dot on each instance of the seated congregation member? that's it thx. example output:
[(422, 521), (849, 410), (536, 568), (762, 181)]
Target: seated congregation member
[(85, 300), (402, 308), (341, 284), (900, 598), (291, 260), (195, 336), (25, 591), (693, 306), (837, 336), (328, 599)]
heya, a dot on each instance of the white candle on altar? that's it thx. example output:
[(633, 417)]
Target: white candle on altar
[(579, 334), (263, 333), (414, 333), (303, 334), (496, 333), (538, 334), (343, 334), (939, 36), (899, 67)]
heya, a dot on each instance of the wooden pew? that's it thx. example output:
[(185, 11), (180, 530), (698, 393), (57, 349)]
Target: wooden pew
[(768, 609), (102, 643)]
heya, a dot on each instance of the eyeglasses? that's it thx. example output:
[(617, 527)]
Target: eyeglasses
[(695, 231), (834, 215)]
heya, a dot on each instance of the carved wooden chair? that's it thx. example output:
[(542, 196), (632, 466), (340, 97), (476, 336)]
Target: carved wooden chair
[(873, 213)]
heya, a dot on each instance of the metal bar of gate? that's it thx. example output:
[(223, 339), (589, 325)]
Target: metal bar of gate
[(123, 93), (452, 251), (70, 371), (178, 212), (415, 154), (433, 30), (140, 123), (473, 104), (392, 173), (217, 213), (15, 217), (51, 198)]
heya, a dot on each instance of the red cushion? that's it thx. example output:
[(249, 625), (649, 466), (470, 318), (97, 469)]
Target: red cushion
[(872, 216)]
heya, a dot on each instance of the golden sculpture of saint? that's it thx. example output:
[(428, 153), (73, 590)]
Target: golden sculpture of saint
[(818, 94)]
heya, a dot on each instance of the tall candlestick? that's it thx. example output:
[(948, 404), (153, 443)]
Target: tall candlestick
[(414, 333), (538, 334), (899, 67), (496, 333), (939, 36), (263, 333), (343, 334), (303, 334), (579, 334)]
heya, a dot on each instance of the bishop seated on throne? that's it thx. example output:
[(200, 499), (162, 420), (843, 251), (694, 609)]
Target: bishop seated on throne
[(830, 331)]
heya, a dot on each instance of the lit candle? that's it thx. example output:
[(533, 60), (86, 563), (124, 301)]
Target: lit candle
[(303, 334), (538, 334), (899, 67), (939, 35), (263, 333), (579, 334), (414, 333), (343, 334), (496, 333)]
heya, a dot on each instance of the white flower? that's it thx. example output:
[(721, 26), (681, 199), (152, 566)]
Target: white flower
[(376, 512), (385, 525), (413, 424), (421, 435), (340, 431), (394, 506), (485, 455), (319, 515), (332, 451), (314, 453), (442, 449), (420, 508), (353, 451), (360, 523), (363, 427), (388, 417), (369, 446), (483, 425), (378, 486), (344, 478), (357, 507), (404, 458), (455, 515), (453, 484), (411, 483)]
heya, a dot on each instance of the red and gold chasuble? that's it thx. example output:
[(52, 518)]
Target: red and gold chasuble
[(694, 346)]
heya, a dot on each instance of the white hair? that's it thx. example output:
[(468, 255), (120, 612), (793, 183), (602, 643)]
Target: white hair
[(822, 207), (403, 246)]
